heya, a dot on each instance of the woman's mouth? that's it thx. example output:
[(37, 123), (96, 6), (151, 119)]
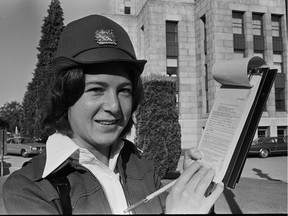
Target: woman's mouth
[(107, 122)]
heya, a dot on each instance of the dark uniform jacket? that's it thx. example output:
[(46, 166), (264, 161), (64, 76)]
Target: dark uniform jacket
[(26, 192)]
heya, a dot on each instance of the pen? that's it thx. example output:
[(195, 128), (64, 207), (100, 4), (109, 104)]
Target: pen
[(151, 196)]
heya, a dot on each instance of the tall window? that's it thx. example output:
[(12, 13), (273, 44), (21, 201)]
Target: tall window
[(172, 48), (258, 38), (171, 39), (276, 26), (237, 22), (279, 83), (172, 54), (257, 24), (238, 33), (280, 92)]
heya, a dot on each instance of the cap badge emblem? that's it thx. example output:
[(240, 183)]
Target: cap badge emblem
[(105, 37)]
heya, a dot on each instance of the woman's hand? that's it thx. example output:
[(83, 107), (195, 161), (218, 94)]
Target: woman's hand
[(191, 155), (188, 194)]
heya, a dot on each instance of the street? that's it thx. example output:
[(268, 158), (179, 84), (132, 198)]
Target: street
[(271, 168), (262, 187), (13, 162)]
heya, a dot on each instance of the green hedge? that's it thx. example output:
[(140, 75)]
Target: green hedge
[(158, 132)]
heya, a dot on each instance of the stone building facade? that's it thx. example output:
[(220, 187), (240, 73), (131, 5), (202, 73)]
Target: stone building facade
[(184, 38)]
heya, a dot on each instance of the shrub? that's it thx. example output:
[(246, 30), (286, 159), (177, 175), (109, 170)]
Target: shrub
[(157, 127)]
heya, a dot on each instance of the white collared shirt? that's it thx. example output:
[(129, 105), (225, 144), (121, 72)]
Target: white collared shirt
[(60, 147)]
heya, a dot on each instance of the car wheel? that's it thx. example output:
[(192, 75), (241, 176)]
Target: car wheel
[(23, 153), (264, 153)]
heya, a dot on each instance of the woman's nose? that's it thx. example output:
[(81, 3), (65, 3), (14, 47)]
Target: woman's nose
[(111, 103)]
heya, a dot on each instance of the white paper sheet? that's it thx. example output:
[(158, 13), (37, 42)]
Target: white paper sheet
[(228, 115)]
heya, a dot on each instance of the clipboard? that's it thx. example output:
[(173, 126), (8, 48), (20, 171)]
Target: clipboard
[(235, 115), (237, 163)]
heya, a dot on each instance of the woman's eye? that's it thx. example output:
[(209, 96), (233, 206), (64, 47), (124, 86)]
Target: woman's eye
[(96, 90), (126, 91)]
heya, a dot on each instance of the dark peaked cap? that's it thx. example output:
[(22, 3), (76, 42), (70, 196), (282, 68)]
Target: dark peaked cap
[(94, 39)]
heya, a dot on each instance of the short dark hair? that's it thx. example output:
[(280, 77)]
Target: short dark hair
[(68, 87)]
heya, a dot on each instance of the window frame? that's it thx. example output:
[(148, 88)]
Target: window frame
[(238, 22), (171, 38), (257, 24), (276, 26), (127, 10)]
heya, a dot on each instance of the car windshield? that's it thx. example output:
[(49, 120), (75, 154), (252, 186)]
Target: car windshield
[(258, 140), (26, 140)]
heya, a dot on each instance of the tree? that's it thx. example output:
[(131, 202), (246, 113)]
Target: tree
[(10, 113), (35, 100), (3, 124), (158, 132)]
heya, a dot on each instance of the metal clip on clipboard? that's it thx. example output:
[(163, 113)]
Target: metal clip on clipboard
[(255, 67)]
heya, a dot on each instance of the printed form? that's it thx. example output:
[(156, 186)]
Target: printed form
[(228, 115)]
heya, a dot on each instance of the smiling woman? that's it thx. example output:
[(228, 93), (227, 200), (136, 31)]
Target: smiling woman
[(103, 111), (75, 84), (88, 166)]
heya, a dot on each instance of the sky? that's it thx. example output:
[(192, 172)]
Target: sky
[(20, 33)]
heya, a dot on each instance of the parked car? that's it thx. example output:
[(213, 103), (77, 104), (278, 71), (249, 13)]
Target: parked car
[(266, 146), (25, 146)]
